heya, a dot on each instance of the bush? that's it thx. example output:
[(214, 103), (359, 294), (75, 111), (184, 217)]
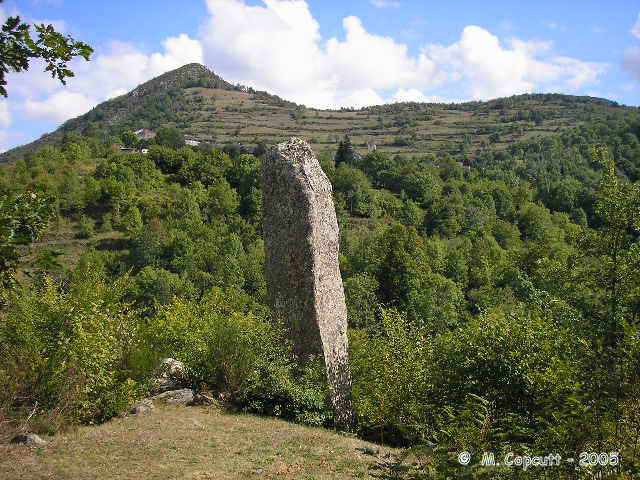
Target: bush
[(68, 352), (524, 364), (229, 345), (391, 369), (87, 227), (107, 225)]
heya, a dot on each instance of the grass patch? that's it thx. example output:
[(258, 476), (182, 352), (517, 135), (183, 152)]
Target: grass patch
[(194, 443)]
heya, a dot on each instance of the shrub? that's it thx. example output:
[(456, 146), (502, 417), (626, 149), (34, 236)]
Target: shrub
[(525, 365), (87, 227), (523, 361), (107, 225), (391, 369), (228, 344), (66, 351)]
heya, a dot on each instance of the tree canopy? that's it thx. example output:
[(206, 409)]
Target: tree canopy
[(18, 49)]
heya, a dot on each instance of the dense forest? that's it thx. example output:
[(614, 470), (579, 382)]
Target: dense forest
[(493, 293)]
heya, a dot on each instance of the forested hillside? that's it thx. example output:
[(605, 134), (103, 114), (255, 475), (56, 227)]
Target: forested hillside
[(490, 254), (203, 105)]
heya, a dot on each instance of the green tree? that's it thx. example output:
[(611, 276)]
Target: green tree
[(17, 49), (411, 214), (616, 244), (222, 199), (170, 137), (129, 139), (22, 219), (355, 186), (534, 222), (132, 222), (345, 153), (362, 302)]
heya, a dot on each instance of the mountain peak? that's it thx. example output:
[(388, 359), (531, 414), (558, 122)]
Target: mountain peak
[(189, 75)]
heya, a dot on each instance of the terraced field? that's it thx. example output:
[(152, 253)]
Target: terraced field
[(201, 104), (222, 116)]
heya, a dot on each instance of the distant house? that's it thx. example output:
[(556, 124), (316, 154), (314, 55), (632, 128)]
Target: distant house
[(371, 147), (144, 134), (191, 141), (134, 150)]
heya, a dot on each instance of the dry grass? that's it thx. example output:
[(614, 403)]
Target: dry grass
[(196, 443)]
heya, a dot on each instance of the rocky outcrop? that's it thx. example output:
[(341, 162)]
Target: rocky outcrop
[(171, 375), (303, 276), (184, 396)]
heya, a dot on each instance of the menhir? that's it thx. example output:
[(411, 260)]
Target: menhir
[(303, 274)]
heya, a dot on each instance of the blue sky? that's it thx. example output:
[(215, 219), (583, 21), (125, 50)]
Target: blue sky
[(332, 53)]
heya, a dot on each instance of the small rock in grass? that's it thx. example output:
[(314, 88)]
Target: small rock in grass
[(183, 396), (203, 399), (29, 439), (368, 451), (142, 406)]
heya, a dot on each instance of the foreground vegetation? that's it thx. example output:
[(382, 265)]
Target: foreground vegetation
[(492, 308)]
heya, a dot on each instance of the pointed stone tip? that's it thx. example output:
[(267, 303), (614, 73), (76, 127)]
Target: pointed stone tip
[(294, 146)]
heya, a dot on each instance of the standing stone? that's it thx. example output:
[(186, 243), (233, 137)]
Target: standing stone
[(303, 275)]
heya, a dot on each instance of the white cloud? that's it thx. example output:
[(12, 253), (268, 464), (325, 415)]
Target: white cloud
[(282, 56), (3, 141), (5, 114), (410, 95), (635, 30), (286, 55), (124, 67), (529, 48), (385, 3), (60, 106), (106, 76), (328, 74), (415, 95), (631, 58), (577, 72), (8, 139), (179, 51), (370, 60), (494, 71), (361, 98)]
